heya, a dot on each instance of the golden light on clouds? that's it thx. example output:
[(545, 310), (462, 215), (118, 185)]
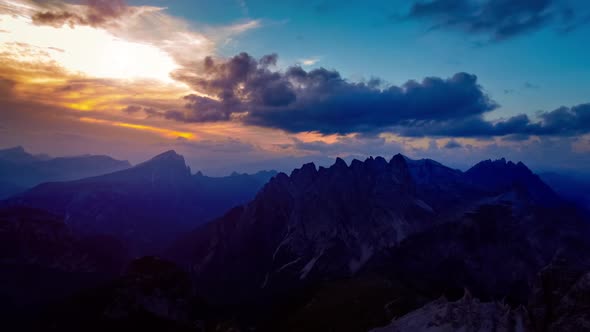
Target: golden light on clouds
[(167, 132), (74, 58), (83, 49)]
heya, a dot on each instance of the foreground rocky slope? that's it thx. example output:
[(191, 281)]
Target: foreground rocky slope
[(466, 314)]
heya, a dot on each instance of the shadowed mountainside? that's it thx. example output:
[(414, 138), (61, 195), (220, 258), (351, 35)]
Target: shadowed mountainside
[(146, 206), (347, 248)]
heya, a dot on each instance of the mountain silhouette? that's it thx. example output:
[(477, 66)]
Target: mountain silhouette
[(374, 244), (20, 170), (147, 205)]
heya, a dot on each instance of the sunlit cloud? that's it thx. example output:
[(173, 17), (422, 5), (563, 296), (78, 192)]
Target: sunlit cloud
[(87, 50), (98, 58), (167, 132), (309, 61)]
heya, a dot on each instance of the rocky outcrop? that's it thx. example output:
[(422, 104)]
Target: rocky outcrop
[(467, 314)]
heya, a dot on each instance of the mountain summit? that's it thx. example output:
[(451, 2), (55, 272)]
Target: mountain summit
[(168, 168), (501, 175)]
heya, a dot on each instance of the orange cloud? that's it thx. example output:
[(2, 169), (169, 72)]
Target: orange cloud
[(164, 131)]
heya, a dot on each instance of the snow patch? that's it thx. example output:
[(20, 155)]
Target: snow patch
[(423, 205), (288, 264), (307, 268), (366, 253)]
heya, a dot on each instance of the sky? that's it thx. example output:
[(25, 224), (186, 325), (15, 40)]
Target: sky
[(247, 85)]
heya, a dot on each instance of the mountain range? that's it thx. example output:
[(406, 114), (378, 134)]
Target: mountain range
[(20, 170), (145, 206), (390, 245)]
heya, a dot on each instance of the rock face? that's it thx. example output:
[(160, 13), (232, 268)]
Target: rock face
[(573, 311), (443, 188), (560, 297), (311, 224), (495, 251), (430, 229), (466, 314), (146, 206)]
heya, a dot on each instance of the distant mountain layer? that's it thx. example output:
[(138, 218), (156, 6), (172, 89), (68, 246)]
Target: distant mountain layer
[(20, 170), (573, 187), (147, 205)]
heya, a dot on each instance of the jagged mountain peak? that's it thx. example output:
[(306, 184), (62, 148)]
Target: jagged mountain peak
[(340, 163), (397, 166), (501, 163), (303, 221), (501, 176)]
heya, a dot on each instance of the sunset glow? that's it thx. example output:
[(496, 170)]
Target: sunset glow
[(245, 78), (166, 132), (85, 50)]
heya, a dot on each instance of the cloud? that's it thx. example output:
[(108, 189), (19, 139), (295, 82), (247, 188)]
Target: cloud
[(145, 25), (452, 144), (498, 19), (132, 109), (149, 112), (348, 146), (95, 13), (296, 100), (309, 61), (564, 121)]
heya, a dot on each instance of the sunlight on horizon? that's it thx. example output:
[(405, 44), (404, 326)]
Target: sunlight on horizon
[(91, 51)]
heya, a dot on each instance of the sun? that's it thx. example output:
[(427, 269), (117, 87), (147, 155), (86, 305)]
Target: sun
[(81, 49)]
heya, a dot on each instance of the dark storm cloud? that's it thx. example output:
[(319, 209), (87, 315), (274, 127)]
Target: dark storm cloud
[(98, 12), (452, 144), (321, 100), (564, 121), (499, 19), (251, 91), (148, 111)]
